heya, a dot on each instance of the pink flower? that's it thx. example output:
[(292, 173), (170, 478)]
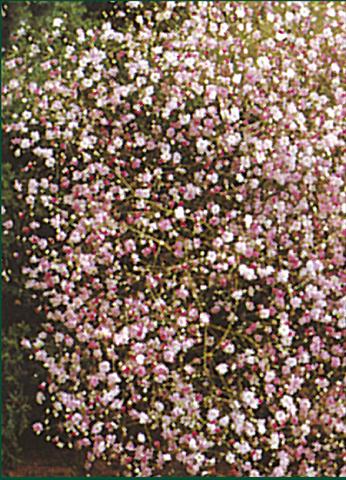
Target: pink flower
[(165, 225), (37, 428), (161, 372)]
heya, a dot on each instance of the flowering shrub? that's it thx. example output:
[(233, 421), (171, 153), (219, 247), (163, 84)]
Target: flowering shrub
[(184, 225)]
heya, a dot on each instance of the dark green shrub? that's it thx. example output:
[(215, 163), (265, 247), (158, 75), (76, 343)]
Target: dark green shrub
[(17, 388)]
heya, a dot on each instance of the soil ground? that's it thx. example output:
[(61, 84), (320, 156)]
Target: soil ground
[(40, 459)]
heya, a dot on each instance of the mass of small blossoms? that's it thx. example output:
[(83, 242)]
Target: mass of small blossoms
[(181, 170)]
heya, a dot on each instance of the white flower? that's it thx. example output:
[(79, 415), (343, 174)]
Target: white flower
[(229, 348), (263, 62), (304, 12), (274, 441), (237, 78), (202, 145), (118, 142), (224, 421), (248, 221), (143, 418), (32, 186), (237, 294), (288, 403), (282, 276), (249, 399), (141, 437), (213, 414), (204, 318), (113, 378), (104, 367), (27, 115), (227, 237), (269, 270), (240, 11), (193, 444), (101, 447), (280, 416), (241, 247), (211, 256), (57, 22), (233, 140), (35, 136), (284, 330), (50, 162), (215, 209), (290, 73), (230, 457), (81, 35), (264, 313), (200, 114), (223, 28), (179, 213), (171, 57), (242, 447), (335, 68), (159, 406), (280, 35), (289, 17), (257, 456), (246, 272), (143, 192), (234, 116), (25, 143), (40, 398), (25, 343), (261, 425), (87, 82), (213, 177), (140, 359), (97, 428), (222, 368)]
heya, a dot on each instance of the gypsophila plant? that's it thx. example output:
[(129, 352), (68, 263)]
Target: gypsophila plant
[(186, 162)]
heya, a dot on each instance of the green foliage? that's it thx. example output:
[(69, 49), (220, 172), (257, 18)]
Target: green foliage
[(17, 409), (13, 252), (24, 26)]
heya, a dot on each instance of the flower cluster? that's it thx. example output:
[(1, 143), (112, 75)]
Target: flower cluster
[(185, 205)]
